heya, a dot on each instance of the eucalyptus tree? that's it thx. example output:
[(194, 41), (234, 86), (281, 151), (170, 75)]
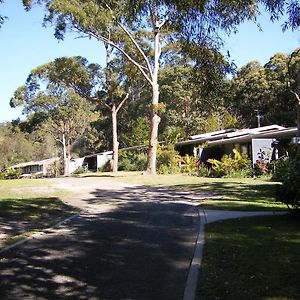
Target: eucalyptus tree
[(15, 146), (272, 89), (193, 23), (66, 115)]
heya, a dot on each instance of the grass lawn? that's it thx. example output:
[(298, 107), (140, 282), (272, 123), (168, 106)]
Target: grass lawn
[(28, 205), (225, 193), (252, 258)]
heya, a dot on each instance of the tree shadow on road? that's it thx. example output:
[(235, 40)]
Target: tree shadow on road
[(140, 249)]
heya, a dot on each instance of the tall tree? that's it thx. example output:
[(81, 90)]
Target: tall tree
[(15, 146), (270, 89), (162, 22), (67, 115), (113, 98)]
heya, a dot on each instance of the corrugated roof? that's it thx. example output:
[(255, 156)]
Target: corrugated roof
[(242, 135)]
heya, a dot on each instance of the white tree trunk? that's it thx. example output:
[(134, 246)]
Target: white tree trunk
[(155, 119), (115, 139)]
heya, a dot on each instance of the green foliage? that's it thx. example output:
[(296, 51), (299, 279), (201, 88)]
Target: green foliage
[(189, 165), (132, 161), (289, 192), (236, 166), (11, 174), (203, 171), (15, 146), (168, 160), (267, 88), (139, 132), (280, 169), (107, 167)]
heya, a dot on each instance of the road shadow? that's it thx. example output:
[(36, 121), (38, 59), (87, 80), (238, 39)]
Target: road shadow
[(141, 249)]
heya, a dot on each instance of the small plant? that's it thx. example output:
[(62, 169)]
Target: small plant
[(203, 170), (236, 166), (189, 165), (261, 168), (168, 160)]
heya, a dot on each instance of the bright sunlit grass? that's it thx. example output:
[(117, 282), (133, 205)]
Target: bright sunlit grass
[(251, 258)]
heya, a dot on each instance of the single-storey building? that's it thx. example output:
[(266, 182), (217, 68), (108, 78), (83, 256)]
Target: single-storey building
[(43, 168), (254, 142), (94, 162)]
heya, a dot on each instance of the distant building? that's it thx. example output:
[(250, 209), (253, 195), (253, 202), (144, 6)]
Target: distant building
[(247, 141), (42, 168)]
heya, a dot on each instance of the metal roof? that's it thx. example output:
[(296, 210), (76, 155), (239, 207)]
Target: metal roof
[(241, 136)]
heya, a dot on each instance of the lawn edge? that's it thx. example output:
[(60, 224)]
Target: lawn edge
[(37, 234)]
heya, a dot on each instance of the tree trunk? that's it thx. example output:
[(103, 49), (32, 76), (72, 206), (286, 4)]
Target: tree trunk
[(115, 139), (66, 159), (298, 130), (155, 119)]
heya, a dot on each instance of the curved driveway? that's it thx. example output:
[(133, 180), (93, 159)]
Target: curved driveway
[(129, 242)]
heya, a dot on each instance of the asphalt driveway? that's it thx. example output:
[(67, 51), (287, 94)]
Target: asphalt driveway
[(128, 243)]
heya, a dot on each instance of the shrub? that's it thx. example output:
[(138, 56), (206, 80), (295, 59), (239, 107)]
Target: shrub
[(203, 170), (189, 165), (132, 161), (236, 166), (261, 168), (168, 160), (11, 174), (280, 169), (288, 192)]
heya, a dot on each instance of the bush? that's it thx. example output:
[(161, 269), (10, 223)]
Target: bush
[(289, 192), (236, 166), (168, 160), (261, 168), (189, 165), (280, 169), (11, 174), (203, 170), (132, 161)]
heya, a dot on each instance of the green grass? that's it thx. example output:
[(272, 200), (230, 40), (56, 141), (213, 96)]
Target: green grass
[(32, 203), (251, 258), (27, 188), (225, 193)]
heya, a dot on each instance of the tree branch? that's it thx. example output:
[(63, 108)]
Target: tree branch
[(122, 102), (100, 101), (128, 57), (138, 48)]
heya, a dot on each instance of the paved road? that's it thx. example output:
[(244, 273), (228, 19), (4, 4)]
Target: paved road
[(129, 243)]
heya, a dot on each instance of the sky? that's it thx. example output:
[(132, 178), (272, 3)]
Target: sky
[(26, 44)]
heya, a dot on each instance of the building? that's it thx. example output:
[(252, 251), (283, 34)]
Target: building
[(251, 142), (42, 168)]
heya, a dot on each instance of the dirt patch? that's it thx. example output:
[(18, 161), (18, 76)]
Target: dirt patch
[(35, 190)]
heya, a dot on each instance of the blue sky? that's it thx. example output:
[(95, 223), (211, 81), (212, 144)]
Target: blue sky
[(25, 44)]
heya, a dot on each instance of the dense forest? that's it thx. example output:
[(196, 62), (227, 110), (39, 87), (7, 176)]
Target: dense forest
[(58, 107)]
